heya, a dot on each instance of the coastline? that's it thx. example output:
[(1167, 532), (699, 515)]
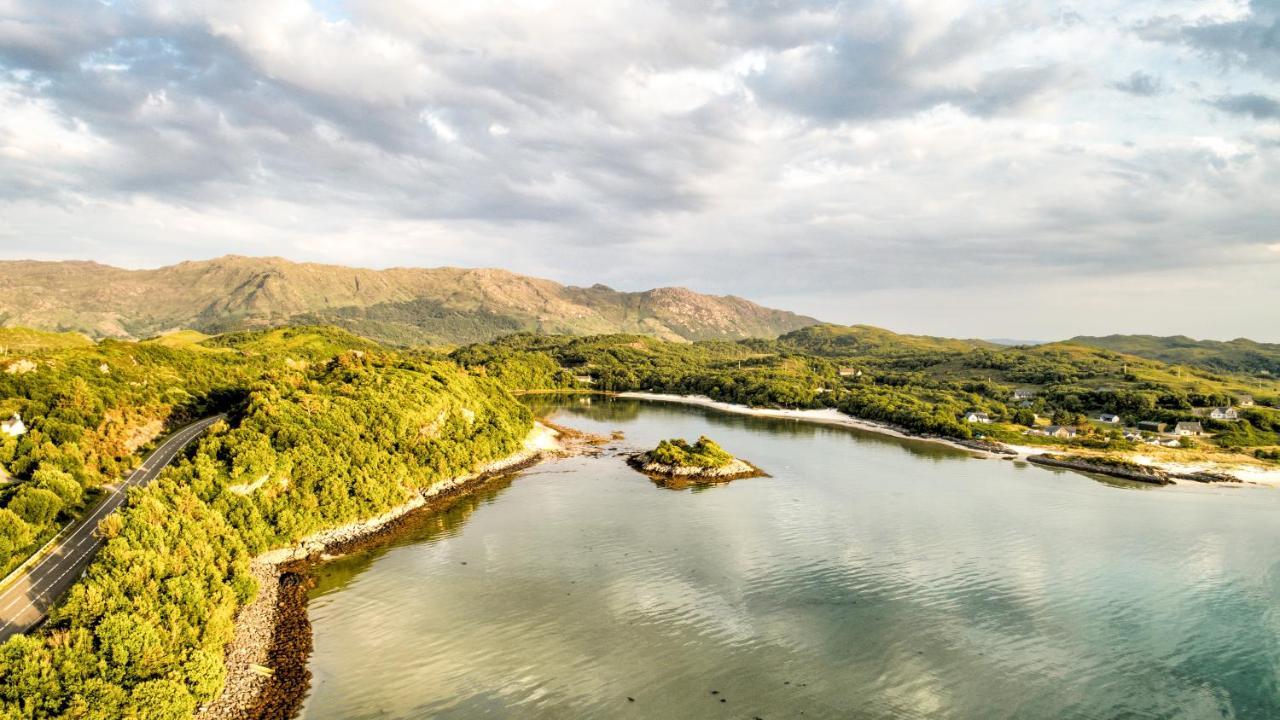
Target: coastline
[(266, 661), (825, 416), (1261, 477)]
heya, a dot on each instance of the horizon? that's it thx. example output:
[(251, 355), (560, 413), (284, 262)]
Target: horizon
[(968, 170)]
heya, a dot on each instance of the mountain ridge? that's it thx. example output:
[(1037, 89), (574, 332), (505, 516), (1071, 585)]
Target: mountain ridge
[(399, 305)]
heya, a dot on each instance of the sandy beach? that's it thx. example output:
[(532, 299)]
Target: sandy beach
[(1252, 474)]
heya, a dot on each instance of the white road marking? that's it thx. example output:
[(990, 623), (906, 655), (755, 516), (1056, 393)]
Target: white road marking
[(109, 504)]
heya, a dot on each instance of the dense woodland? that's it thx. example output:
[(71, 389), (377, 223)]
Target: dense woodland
[(924, 385), (310, 444), (325, 428)]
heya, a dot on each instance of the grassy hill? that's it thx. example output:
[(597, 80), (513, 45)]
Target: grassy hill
[(403, 306), (20, 339), (1236, 356)]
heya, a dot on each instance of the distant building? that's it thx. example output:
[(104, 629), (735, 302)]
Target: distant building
[(1109, 418), (13, 426), (850, 372), (1152, 426), (977, 417), (585, 379), (1023, 394), (1245, 401), (1224, 413), (1060, 431), (1186, 429)]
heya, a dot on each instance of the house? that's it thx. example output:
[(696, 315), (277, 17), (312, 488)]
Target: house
[(1187, 429), (1224, 413), (13, 426), (1060, 431), (585, 379), (1244, 400), (1152, 426), (1109, 418), (977, 417), (1023, 394), (850, 372)]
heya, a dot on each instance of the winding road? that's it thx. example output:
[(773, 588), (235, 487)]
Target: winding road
[(26, 599)]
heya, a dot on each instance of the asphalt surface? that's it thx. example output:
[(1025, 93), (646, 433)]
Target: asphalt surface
[(25, 602)]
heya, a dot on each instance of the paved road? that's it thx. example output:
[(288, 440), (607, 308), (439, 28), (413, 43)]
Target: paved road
[(28, 598)]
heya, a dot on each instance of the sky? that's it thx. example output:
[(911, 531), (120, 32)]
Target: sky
[(1028, 170)]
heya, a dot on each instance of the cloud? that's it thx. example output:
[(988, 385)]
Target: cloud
[(860, 147), (1258, 107), (1140, 84)]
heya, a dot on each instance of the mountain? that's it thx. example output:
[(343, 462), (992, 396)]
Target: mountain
[(399, 305), (1237, 356)]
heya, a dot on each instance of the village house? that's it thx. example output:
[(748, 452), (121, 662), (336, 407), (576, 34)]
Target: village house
[(1109, 418), (1152, 426), (977, 417), (13, 426), (1023, 394), (1187, 429), (1245, 401), (1224, 413), (585, 379), (1060, 431), (850, 372)]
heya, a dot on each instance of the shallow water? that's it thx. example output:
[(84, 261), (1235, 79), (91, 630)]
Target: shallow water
[(868, 577)]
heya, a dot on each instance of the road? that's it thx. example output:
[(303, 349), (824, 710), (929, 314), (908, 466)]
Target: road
[(27, 599)]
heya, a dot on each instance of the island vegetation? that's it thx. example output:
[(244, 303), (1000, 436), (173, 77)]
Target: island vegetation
[(677, 463)]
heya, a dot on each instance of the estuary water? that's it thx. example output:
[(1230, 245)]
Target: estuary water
[(867, 577)]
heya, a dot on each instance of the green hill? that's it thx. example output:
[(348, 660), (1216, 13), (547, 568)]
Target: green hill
[(1236, 356)]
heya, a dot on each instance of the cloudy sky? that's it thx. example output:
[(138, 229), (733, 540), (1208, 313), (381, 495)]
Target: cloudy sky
[(1027, 169)]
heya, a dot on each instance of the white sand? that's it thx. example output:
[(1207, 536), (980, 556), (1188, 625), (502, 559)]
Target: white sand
[(825, 416), (1248, 473)]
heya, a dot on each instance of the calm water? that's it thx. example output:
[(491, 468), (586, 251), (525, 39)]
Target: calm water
[(867, 578)]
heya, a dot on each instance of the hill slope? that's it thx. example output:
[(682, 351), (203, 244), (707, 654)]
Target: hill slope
[(1238, 356), (399, 305)]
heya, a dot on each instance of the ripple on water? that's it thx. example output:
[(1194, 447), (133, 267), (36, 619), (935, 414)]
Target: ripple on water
[(864, 579)]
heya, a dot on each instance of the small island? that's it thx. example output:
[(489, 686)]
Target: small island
[(677, 464)]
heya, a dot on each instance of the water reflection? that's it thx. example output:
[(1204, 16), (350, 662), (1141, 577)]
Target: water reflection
[(854, 582)]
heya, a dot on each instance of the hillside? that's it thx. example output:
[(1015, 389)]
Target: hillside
[(1237, 356), (398, 305)]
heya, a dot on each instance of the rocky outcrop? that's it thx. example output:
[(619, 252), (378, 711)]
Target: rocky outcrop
[(1101, 466), (680, 476)]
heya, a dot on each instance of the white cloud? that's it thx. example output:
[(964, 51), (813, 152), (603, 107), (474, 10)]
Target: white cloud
[(881, 152)]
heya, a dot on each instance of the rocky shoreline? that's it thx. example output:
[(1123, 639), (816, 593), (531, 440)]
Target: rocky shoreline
[(266, 661), (1138, 473), (680, 476)]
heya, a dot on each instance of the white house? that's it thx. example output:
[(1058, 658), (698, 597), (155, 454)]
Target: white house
[(977, 417), (1109, 418), (1060, 431), (1188, 428), (1245, 401), (13, 426), (1224, 413), (1023, 394), (850, 372)]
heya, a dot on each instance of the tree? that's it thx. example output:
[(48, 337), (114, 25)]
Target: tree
[(35, 505), (15, 533)]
